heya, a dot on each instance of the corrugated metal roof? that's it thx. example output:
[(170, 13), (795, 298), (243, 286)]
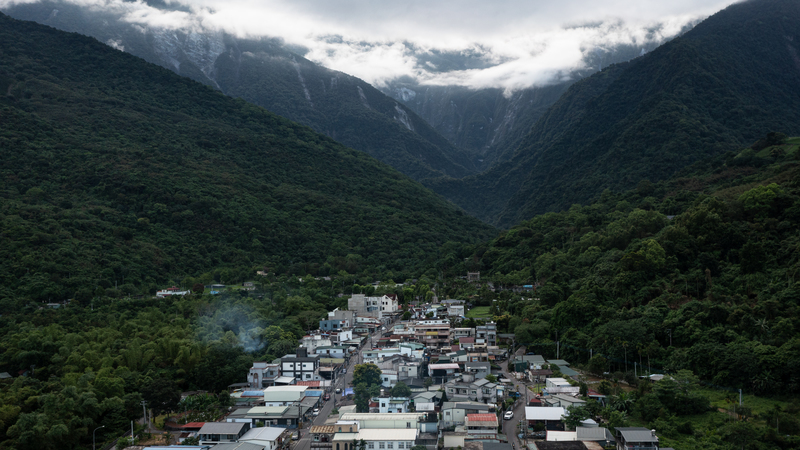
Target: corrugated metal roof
[(567, 371), (443, 366), (262, 434), (482, 418), (238, 446), (380, 434), (637, 434), (544, 413), (267, 410), (222, 428)]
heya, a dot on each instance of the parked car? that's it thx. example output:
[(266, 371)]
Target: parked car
[(338, 390), (326, 397), (508, 415), (315, 412)]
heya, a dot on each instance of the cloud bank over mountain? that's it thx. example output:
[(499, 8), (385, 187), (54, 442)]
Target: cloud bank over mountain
[(509, 44)]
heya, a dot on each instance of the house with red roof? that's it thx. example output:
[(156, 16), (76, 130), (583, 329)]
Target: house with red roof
[(481, 426)]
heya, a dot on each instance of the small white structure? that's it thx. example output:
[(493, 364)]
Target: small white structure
[(557, 383), (174, 290)]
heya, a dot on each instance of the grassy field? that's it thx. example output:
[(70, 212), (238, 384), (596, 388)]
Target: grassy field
[(478, 311)]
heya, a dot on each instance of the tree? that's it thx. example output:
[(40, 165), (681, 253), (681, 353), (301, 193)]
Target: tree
[(401, 390), (491, 378), (162, 395), (577, 414), (368, 373)]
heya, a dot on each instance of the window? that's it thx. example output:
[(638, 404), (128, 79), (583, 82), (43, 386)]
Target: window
[(381, 445), (390, 445), (408, 425), (371, 445), (401, 445)]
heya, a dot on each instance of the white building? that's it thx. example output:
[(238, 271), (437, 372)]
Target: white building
[(393, 404), (263, 374), (269, 437), (284, 395), (377, 438), (312, 342), (171, 291), (389, 304), (557, 383)]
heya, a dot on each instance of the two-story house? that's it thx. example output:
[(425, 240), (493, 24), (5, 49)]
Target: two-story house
[(263, 374)]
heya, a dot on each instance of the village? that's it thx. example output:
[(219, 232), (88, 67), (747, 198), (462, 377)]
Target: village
[(442, 386)]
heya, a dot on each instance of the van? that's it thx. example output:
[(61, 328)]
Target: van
[(338, 390)]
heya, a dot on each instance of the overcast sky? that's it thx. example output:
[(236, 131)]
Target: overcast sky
[(518, 43)]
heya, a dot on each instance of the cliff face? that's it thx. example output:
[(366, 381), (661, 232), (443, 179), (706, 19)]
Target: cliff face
[(489, 124)]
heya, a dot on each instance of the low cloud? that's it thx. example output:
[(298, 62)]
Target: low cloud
[(509, 44)]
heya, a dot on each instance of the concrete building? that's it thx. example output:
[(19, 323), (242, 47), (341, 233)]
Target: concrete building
[(481, 426), (376, 438), (263, 374), (221, 432), (302, 366), (486, 334), (433, 336), (455, 413)]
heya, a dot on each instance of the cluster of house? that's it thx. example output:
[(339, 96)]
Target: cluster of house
[(451, 403)]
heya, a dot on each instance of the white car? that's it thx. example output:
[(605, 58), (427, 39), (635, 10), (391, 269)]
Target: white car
[(315, 412), (508, 415)]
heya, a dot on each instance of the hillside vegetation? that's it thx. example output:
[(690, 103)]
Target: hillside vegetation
[(697, 276), (268, 74), (718, 88), (119, 175)]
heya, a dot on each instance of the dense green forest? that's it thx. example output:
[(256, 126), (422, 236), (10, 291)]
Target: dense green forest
[(264, 72), (718, 88), (700, 273), (120, 176)]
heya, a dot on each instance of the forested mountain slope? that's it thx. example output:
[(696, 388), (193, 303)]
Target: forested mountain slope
[(700, 272), (731, 79), (265, 73), (119, 173)]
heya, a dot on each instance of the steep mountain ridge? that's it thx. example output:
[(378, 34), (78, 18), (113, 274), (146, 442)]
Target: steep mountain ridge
[(489, 124), (264, 72), (719, 87), (119, 172)]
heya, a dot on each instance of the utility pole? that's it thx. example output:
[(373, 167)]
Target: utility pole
[(144, 409)]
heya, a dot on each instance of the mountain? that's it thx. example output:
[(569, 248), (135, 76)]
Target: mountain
[(119, 173), (488, 124), (266, 73), (719, 87), (696, 275)]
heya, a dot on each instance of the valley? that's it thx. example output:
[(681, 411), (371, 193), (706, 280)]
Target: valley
[(641, 221)]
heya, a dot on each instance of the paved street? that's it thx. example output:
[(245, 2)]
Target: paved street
[(342, 382), (510, 426)]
